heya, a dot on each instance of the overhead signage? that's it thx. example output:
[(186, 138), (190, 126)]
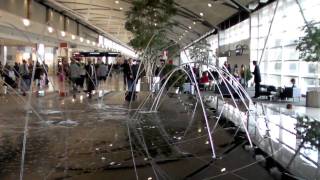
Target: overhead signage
[(97, 54)]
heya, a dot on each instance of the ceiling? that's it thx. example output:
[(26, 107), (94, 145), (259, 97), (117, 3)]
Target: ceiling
[(109, 15)]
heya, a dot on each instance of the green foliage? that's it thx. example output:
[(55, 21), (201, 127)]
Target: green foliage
[(309, 45), (247, 74), (309, 131), (173, 50), (178, 77), (200, 51), (148, 18)]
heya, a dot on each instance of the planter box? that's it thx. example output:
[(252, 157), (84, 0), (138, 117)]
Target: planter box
[(188, 88), (251, 91), (174, 90), (313, 99)]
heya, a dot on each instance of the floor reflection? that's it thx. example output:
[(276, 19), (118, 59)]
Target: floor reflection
[(80, 138)]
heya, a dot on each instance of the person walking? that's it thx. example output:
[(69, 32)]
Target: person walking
[(9, 78), (257, 79), (83, 74), (132, 80), (25, 77), (74, 72), (16, 69), (91, 78), (102, 72), (37, 74), (46, 71), (242, 75), (125, 70)]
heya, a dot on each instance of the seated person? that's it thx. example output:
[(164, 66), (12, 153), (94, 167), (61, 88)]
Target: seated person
[(204, 80), (293, 82), (283, 94)]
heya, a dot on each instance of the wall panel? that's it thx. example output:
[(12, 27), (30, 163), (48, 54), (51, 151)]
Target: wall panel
[(38, 13)]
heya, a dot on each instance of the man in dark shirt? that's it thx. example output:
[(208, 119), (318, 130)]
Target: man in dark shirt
[(91, 78), (126, 71), (257, 79)]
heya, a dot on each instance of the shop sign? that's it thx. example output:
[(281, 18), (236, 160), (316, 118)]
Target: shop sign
[(63, 45)]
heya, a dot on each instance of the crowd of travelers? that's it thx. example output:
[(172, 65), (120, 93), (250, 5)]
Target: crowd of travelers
[(19, 76), (207, 78), (81, 76)]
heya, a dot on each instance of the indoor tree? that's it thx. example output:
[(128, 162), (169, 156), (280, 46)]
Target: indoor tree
[(200, 51), (308, 131), (309, 45), (147, 21)]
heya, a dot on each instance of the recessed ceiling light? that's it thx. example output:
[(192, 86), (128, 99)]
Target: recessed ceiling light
[(50, 29), (155, 24), (189, 27), (194, 22), (121, 8), (63, 34), (26, 22), (73, 37), (253, 5), (117, 2), (88, 41), (209, 4), (81, 39), (201, 14), (185, 31)]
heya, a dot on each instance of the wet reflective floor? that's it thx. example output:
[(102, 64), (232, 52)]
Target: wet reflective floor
[(101, 138)]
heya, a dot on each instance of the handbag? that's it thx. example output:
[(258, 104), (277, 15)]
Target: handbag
[(129, 96), (26, 76)]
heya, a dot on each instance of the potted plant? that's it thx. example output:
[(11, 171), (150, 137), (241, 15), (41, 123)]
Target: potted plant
[(309, 134), (247, 75), (309, 48), (176, 81)]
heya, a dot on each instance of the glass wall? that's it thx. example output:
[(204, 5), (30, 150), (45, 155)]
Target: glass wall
[(280, 61), (235, 33)]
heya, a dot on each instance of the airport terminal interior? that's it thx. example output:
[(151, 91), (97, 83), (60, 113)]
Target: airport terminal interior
[(159, 89)]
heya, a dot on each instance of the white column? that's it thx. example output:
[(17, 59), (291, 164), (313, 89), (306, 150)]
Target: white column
[(4, 55)]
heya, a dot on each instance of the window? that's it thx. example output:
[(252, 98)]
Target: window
[(291, 67), (281, 59)]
